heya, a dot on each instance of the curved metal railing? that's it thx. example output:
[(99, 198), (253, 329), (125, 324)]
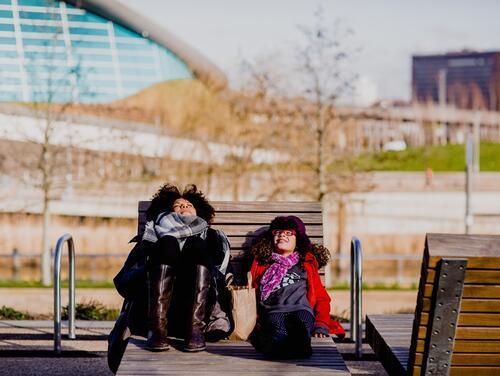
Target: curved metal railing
[(356, 296), (57, 291)]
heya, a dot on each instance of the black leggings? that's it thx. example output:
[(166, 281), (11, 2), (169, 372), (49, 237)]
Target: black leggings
[(167, 252)]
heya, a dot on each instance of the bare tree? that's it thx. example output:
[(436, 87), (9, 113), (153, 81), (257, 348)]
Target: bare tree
[(322, 161), (43, 158)]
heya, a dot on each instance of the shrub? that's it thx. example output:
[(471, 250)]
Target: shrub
[(92, 310), (8, 313)]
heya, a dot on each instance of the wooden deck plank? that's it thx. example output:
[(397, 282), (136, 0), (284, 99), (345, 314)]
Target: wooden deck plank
[(229, 358), (390, 338)]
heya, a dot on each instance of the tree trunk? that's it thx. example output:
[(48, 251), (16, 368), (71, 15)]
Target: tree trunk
[(236, 187), (341, 225), (46, 254)]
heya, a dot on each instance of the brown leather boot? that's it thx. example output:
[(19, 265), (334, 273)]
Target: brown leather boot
[(195, 341), (160, 283)]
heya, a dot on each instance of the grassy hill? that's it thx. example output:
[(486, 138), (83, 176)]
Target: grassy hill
[(439, 158)]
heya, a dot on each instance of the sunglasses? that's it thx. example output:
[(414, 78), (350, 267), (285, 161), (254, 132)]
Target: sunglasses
[(283, 232)]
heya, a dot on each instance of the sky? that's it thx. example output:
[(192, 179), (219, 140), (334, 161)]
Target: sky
[(386, 33)]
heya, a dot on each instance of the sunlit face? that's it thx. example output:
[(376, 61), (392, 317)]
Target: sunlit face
[(183, 207), (285, 241)]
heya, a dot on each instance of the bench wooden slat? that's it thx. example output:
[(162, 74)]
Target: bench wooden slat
[(476, 276), (452, 245), (490, 262), (467, 371), (258, 206), (230, 357), (470, 319), (471, 291), (254, 213), (469, 359), (472, 305), (243, 242), (263, 218), (244, 229), (474, 260), (468, 332), (466, 346)]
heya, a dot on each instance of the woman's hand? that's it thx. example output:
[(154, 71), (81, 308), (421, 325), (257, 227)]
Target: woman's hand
[(319, 335)]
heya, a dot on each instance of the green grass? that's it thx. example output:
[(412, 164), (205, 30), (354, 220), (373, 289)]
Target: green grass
[(37, 284), (439, 158)]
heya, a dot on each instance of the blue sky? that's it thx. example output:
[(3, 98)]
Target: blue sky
[(388, 32)]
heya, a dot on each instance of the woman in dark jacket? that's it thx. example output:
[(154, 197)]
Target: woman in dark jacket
[(170, 279)]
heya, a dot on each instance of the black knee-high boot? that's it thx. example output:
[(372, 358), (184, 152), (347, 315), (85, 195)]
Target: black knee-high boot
[(195, 341), (160, 287)]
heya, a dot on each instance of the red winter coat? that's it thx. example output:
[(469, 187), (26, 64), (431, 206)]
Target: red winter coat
[(316, 293)]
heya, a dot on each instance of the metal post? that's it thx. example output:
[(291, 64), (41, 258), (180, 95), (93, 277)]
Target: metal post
[(469, 152), (356, 296), (442, 87), (57, 291), (476, 134), (16, 264), (399, 273)]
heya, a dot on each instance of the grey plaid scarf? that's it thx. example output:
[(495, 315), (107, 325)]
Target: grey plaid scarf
[(181, 227), (178, 226)]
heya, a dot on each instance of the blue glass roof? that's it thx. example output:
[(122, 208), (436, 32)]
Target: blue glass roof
[(51, 50)]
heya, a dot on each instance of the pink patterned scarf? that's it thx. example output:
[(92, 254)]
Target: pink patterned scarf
[(274, 274)]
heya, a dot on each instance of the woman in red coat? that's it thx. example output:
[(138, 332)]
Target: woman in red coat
[(293, 305)]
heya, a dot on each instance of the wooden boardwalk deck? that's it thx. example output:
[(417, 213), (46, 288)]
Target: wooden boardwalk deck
[(390, 338), (229, 358)]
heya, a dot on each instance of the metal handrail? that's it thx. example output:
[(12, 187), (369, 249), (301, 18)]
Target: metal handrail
[(57, 291), (356, 296)]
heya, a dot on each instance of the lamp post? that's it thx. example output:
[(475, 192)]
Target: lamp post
[(469, 152)]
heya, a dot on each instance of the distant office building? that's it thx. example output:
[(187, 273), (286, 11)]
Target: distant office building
[(468, 80), (88, 51)]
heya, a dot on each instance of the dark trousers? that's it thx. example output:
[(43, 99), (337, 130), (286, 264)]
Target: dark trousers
[(285, 335), (277, 325), (194, 252)]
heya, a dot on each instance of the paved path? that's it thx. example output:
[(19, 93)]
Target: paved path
[(26, 348)]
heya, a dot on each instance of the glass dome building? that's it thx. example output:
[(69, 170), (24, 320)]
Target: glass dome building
[(89, 51)]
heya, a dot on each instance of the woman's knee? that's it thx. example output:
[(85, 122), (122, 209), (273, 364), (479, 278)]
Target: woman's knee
[(165, 252), (195, 251)]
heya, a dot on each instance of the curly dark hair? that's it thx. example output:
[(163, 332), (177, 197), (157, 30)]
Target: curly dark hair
[(163, 200), (263, 247)]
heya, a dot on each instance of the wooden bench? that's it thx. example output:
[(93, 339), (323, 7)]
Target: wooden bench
[(456, 326), (242, 222)]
